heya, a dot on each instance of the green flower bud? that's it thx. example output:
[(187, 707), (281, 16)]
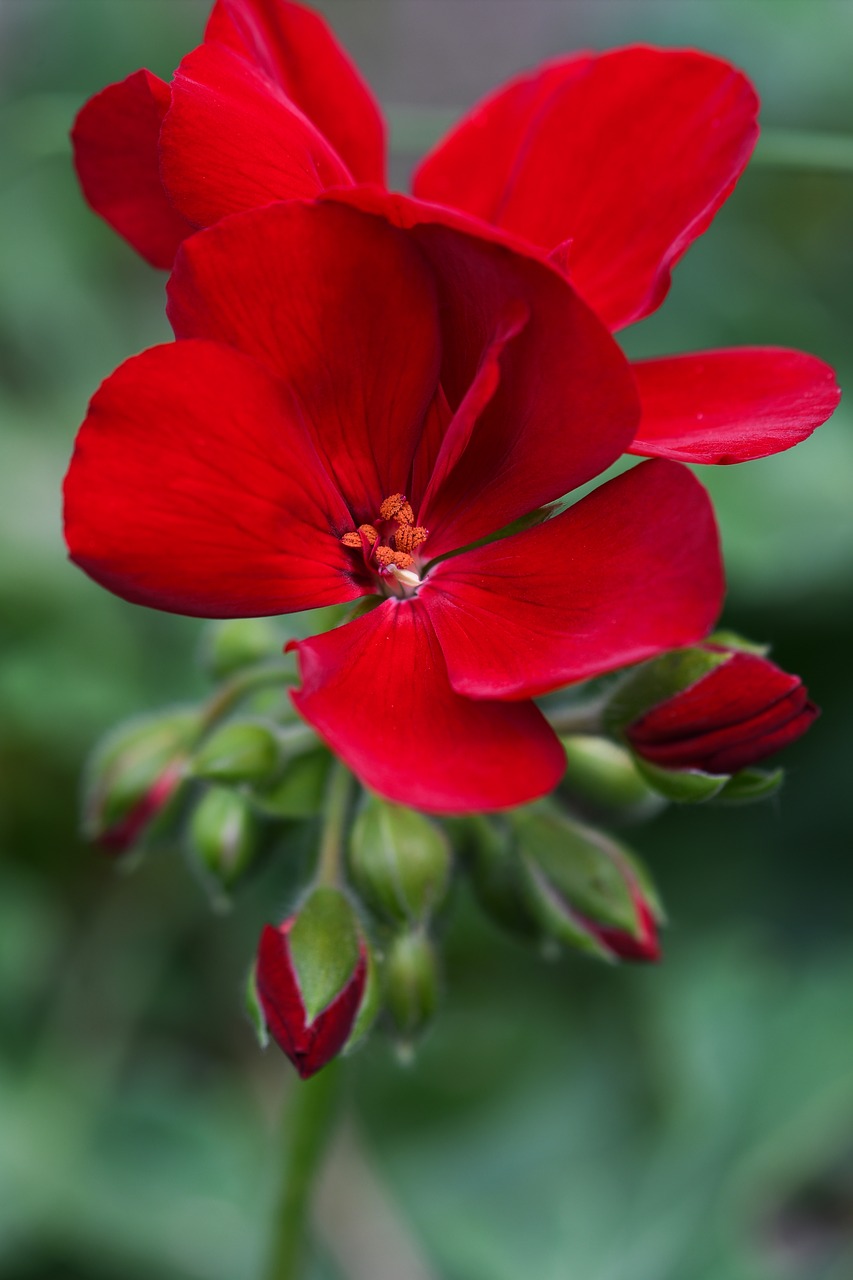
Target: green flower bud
[(300, 790), (222, 836), (400, 861), (240, 751), (411, 982), (585, 888), (497, 876), (132, 777), (237, 643), (603, 780)]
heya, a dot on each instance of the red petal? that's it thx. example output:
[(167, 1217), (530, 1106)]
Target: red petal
[(564, 408), (737, 715), (233, 140), (295, 48), (116, 137), (731, 406), (377, 691), (630, 571), (340, 305), (626, 154), (194, 489)]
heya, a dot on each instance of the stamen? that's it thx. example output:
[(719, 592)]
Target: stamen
[(385, 558), (397, 508), (409, 536), (354, 539)]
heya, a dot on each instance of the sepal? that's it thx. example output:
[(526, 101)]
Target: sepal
[(239, 751), (603, 781), (411, 983), (236, 643), (222, 840)]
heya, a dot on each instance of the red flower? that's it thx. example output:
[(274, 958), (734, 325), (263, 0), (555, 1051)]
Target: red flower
[(742, 711), (350, 405), (309, 1043), (610, 164)]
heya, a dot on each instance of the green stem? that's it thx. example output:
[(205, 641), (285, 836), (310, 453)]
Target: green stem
[(331, 852), (308, 1125), (232, 693)]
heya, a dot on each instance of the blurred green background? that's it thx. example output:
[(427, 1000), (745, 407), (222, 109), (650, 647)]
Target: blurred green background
[(691, 1122)]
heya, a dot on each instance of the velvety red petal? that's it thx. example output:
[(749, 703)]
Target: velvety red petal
[(625, 155), (295, 48), (738, 714), (731, 406), (377, 691), (115, 138), (233, 140), (628, 572), (194, 488), (341, 306), (564, 407)]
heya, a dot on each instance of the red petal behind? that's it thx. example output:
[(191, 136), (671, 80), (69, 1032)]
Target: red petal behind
[(296, 49), (731, 406), (116, 153), (627, 155)]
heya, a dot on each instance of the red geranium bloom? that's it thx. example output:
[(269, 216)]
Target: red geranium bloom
[(350, 405), (610, 164)]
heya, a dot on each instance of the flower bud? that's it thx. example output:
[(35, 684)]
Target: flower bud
[(713, 710), (411, 981), (240, 751), (222, 836), (603, 782), (239, 642), (132, 777), (400, 861), (496, 874), (311, 979), (586, 889), (300, 790)]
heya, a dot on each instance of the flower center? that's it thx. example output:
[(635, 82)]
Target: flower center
[(387, 545)]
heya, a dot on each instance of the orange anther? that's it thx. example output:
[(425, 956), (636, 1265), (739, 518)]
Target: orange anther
[(351, 540), (409, 536), (396, 508), (369, 532), (385, 556)]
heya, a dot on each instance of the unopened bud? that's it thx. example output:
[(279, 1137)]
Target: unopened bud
[(236, 643), (240, 751), (603, 781), (311, 979), (223, 836), (300, 790), (411, 982), (400, 861), (586, 889), (132, 777), (710, 710), (497, 876)]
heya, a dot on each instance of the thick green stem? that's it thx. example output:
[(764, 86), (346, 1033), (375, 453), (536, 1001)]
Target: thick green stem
[(336, 809), (804, 149), (308, 1125)]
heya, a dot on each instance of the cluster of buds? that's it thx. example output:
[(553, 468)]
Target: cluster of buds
[(233, 777)]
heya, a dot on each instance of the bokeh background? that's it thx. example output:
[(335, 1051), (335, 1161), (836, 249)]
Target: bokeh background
[(690, 1122)]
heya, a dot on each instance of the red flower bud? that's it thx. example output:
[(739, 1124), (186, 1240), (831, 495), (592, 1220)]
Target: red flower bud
[(644, 945), (310, 980), (130, 830), (739, 712)]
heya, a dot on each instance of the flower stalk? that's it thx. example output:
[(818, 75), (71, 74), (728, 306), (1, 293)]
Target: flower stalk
[(330, 857), (307, 1128)]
